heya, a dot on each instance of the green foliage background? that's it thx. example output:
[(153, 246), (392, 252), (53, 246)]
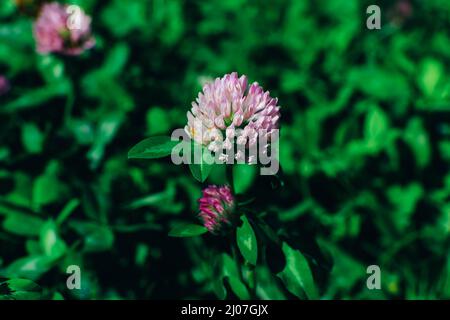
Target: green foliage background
[(365, 148)]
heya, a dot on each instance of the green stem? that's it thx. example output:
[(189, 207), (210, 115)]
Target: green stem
[(252, 281), (247, 275), (229, 173), (235, 254), (69, 106)]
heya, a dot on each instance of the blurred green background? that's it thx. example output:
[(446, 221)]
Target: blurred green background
[(365, 146)]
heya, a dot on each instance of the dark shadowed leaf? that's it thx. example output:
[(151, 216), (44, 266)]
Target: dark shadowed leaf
[(187, 230), (35, 97), (297, 276), (231, 272), (23, 224), (96, 237)]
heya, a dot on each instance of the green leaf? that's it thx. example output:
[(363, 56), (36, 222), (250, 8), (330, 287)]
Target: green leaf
[(19, 289), (132, 15), (47, 188), (33, 247), (7, 8), (297, 275), (152, 148), (157, 121), (246, 241), (376, 128), (32, 138), (96, 237), (142, 252), (267, 286), (22, 285), (376, 123), (217, 280), (379, 83), (201, 168), (51, 243), (404, 200), (243, 177), (36, 97), (107, 129), (432, 71), (23, 224), (418, 140), (51, 68), (67, 211), (231, 272), (218, 288), (116, 60), (187, 230), (154, 200), (347, 271), (17, 33), (30, 267), (57, 296), (82, 130)]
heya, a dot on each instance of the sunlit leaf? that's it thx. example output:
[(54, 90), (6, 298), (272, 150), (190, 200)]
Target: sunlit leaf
[(30, 267), (51, 243), (246, 240), (243, 177), (19, 289), (32, 138), (152, 148)]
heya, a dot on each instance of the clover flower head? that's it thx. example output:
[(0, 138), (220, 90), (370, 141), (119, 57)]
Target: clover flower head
[(216, 207), (227, 104), (52, 33), (4, 85)]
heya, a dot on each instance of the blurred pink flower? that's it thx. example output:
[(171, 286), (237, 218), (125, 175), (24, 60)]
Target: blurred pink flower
[(4, 85), (227, 104), (401, 11), (404, 8), (216, 207), (53, 35)]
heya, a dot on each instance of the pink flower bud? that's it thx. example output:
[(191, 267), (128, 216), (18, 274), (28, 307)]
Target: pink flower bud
[(4, 85), (216, 207)]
